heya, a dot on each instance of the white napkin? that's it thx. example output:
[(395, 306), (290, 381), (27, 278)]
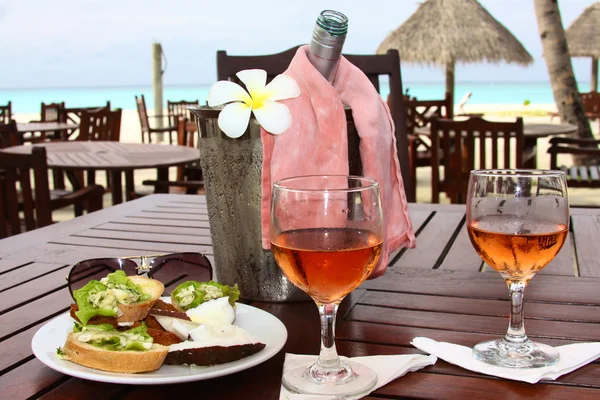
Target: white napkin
[(572, 356), (387, 369)]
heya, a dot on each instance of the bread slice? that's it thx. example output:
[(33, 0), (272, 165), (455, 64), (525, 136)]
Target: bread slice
[(127, 361), (138, 311), (213, 355)]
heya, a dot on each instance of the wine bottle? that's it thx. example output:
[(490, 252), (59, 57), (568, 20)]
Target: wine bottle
[(327, 42)]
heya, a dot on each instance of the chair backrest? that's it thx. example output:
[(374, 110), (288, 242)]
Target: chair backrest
[(178, 109), (102, 124), (143, 115), (6, 113), (9, 135), (591, 103), (373, 66), (185, 136), (18, 194), (74, 113), (420, 112), (53, 112), (461, 146)]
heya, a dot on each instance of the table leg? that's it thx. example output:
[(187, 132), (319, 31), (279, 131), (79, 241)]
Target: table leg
[(162, 174), (129, 186), (58, 178), (74, 178), (530, 152), (117, 187)]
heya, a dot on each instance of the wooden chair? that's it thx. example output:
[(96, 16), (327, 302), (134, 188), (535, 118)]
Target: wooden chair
[(189, 177), (147, 130), (454, 145), (52, 112), (419, 114), (18, 195), (587, 176), (74, 115), (9, 135), (178, 109), (100, 124), (6, 113), (373, 66)]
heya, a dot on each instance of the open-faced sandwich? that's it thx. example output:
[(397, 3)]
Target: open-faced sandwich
[(122, 325)]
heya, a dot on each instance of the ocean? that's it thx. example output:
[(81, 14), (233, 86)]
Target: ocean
[(28, 100)]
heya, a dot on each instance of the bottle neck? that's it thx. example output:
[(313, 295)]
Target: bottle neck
[(327, 42)]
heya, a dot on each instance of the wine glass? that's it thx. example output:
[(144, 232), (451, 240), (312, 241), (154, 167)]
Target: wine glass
[(517, 221), (326, 236)]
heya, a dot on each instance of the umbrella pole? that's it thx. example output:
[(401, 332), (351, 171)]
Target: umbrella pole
[(594, 83), (450, 83)]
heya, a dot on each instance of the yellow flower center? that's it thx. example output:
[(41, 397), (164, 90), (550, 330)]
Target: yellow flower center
[(257, 100)]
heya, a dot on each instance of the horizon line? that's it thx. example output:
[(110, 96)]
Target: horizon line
[(149, 85)]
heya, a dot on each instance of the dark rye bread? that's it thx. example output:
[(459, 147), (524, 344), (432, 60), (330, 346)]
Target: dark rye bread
[(166, 309), (206, 356)]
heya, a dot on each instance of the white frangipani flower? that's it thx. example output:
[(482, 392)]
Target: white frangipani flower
[(261, 99)]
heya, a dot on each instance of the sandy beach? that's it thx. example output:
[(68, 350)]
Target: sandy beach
[(131, 133)]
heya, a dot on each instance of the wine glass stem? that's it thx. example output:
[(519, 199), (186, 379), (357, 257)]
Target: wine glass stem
[(516, 327), (328, 357)]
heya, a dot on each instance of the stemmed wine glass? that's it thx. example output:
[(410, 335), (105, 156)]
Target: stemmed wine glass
[(326, 236), (517, 221)]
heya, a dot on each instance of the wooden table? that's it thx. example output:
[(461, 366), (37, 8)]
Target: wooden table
[(531, 133), (436, 290), (45, 127), (115, 157)]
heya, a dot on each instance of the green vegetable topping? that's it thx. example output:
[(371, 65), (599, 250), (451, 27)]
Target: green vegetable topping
[(109, 338), (191, 294), (102, 297)]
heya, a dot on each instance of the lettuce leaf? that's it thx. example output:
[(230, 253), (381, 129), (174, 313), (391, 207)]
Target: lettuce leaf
[(111, 339), (87, 310), (119, 280), (204, 291)]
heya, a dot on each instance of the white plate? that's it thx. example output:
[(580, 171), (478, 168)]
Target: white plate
[(260, 324)]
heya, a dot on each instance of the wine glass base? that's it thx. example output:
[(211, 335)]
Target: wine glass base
[(528, 354), (352, 380)]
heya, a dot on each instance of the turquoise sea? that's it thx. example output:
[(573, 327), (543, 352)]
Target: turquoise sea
[(28, 100)]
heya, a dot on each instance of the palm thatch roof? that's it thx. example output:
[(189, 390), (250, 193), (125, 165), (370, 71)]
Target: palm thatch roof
[(441, 32), (583, 36)]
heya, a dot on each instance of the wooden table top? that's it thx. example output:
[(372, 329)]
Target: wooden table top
[(438, 290), (530, 130), (45, 126), (112, 155)]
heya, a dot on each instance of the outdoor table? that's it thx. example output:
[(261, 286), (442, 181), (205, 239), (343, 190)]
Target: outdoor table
[(531, 133), (439, 290), (115, 157), (45, 127)]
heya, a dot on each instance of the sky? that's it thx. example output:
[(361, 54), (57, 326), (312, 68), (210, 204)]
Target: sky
[(91, 43)]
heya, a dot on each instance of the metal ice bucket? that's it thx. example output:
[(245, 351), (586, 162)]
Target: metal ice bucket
[(232, 179)]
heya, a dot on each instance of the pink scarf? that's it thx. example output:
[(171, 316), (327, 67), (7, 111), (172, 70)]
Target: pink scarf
[(317, 144)]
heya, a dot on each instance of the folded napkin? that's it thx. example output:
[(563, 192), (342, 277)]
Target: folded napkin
[(387, 369), (317, 144), (572, 356)]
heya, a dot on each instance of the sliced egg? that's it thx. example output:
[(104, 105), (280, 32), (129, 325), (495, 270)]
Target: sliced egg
[(210, 335), (179, 327), (213, 312)]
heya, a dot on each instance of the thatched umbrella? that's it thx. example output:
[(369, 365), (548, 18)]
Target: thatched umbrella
[(443, 32), (583, 39)]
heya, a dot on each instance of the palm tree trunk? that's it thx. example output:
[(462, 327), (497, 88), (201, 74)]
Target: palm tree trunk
[(558, 60)]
